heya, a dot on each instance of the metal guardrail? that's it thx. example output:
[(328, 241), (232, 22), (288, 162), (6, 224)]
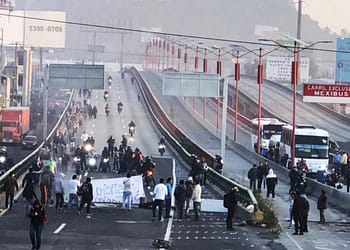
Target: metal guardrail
[(185, 146), (22, 166)]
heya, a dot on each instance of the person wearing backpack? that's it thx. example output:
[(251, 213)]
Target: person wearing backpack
[(230, 202), (46, 181), (86, 196)]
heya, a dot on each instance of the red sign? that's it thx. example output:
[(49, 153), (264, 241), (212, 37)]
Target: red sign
[(326, 93)]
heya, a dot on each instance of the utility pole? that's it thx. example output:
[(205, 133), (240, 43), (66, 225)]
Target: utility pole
[(121, 50), (300, 2)]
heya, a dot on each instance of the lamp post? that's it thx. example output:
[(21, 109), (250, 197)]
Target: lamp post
[(205, 70), (294, 81), (237, 69), (164, 47)]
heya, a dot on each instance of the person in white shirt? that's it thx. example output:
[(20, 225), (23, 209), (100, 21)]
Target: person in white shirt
[(84, 137), (196, 197), (73, 189), (127, 194), (160, 191)]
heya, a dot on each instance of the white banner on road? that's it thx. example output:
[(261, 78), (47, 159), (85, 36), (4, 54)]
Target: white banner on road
[(111, 190)]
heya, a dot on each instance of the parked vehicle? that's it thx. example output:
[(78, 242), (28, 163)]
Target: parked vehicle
[(30, 142), (14, 123)]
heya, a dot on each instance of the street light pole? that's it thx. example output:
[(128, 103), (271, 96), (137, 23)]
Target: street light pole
[(195, 70), (178, 58), (205, 70), (294, 78), (185, 58), (237, 78), (218, 71), (259, 81)]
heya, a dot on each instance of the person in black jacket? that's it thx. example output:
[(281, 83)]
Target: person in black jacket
[(28, 190), (180, 197), (298, 212), (10, 186), (37, 219), (86, 196), (231, 207), (252, 177)]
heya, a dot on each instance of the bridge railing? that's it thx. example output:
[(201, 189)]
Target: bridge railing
[(184, 145)]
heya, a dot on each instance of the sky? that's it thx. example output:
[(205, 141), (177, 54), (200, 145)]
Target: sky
[(329, 13)]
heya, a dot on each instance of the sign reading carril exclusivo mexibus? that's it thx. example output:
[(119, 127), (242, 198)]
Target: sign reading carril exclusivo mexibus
[(326, 93)]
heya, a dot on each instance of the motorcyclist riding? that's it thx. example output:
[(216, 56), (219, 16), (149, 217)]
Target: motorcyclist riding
[(107, 109), (119, 107), (110, 80), (105, 95), (161, 146), (132, 126)]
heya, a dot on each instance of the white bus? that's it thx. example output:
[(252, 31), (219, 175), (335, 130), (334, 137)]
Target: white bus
[(311, 144), (270, 132)]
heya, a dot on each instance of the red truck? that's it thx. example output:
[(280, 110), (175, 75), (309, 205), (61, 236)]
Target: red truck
[(14, 123)]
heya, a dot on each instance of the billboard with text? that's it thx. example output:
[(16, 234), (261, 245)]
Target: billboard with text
[(40, 29), (326, 93)]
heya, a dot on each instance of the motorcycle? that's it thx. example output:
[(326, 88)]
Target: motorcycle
[(218, 164), (161, 148), (105, 165), (131, 130), (91, 160), (105, 96), (107, 111), (76, 164), (120, 108), (110, 81)]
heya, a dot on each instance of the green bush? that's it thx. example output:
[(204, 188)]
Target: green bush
[(270, 217)]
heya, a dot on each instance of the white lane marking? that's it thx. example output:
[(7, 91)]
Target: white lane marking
[(132, 222), (170, 221), (294, 241), (59, 229)]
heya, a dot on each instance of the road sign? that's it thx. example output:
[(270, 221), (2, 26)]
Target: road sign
[(76, 76), (342, 60), (326, 93), (191, 84)]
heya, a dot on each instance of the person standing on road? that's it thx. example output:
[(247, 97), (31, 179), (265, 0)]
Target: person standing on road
[(180, 197), (46, 181), (59, 191), (271, 182), (160, 191), (306, 209), (37, 219), (322, 205), (127, 192), (298, 213), (86, 196), (28, 191), (196, 197), (343, 163), (10, 186), (231, 207), (252, 177), (73, 189), (260, 172), (169, 186), (189, 193), (347, 177)]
